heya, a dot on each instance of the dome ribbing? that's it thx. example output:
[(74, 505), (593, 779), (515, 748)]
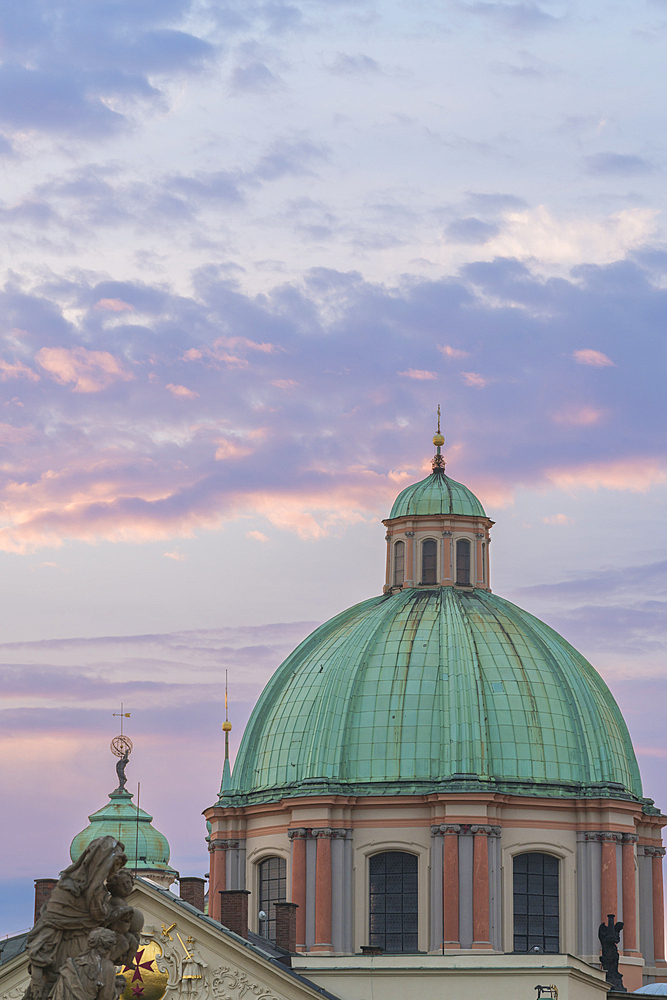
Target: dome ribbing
[(435, 690), (437, 494)]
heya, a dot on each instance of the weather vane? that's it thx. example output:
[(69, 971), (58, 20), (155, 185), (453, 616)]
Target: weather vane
[(121, 746)]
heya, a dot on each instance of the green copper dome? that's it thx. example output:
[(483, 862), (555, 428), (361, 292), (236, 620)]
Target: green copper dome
[(146, 848), (437, 494), (434, 690)]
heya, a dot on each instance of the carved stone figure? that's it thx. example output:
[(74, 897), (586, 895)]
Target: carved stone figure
[(80, 903), (91, 976), (124, 920), (609, 935)]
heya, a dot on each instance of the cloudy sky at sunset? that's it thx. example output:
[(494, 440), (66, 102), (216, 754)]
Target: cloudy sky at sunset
[(247, 248)]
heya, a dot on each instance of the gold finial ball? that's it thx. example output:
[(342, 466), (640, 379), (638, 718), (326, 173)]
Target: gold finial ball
[(438, 440), (226, 727)]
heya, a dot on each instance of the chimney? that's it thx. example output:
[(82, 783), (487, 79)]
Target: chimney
[(286, 926), (234, 910), (192, 891), (43, 889)]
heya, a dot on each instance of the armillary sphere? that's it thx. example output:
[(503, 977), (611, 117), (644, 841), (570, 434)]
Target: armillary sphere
[(120, 745)]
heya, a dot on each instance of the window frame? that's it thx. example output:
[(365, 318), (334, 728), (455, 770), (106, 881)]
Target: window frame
[(417, 877), (463, 540), (559, 875), (423, 581), (267, 925), (398, 583)]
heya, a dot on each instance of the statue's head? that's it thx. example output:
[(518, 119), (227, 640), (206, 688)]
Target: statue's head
[(102, 940), (120, 883)]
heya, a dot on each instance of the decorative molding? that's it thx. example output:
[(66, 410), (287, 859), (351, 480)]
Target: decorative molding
[(322, 831), (446, 534), (16, 991), (409, 534), (630, 838), (225, 979), (654, 852)]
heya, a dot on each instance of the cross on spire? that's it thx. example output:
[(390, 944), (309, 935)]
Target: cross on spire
[(122, 715)]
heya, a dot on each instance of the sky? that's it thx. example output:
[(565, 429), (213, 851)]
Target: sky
[(247, 248)]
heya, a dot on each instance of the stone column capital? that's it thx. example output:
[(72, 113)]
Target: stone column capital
[(322, 831), (654, 852), (222, 845), (339, 833), (446, 829), (604, 835), (481, 829), (299, 833), (630, 838)]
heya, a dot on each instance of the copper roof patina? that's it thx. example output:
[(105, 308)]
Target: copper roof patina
[(437, 494), (147, 849), (434, 690)]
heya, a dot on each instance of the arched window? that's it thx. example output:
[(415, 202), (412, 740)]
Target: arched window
[(463, 562), (393, 901), (399, 563), (536, 902), (272, 890), (429, 560)]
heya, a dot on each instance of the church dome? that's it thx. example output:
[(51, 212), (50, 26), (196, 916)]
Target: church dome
[(437, 494), (432, 690), (146, 848)]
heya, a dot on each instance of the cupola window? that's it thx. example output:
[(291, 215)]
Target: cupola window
[(429, 561), (536, 902), (399, 564), (272, 890), (463, 562), (393, 901)]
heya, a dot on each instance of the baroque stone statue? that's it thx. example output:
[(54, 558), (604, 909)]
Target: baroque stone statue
[(609, 935), (91, 894), (91, 976)]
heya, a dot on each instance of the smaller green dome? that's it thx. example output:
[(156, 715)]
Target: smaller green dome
[(147, 849), (437, 494)]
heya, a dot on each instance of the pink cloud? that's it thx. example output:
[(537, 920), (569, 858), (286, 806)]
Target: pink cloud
[(582, 416), (419, 374), (90, 371), (476, 380), (453, 352), (284, 383), (176, 555), (257, 536), (587, 356), (181, 391), (16, 370), (637, 475), (557, 519), (114, 305), (15, 435)]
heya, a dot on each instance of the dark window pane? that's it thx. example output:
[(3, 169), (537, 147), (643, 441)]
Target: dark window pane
[(463, 562), (536, 915), (272, 890), (399, 563), (393, 901), (429, 561)]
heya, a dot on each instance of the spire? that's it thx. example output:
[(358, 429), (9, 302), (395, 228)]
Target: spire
[(438, 462), (226, 728)]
